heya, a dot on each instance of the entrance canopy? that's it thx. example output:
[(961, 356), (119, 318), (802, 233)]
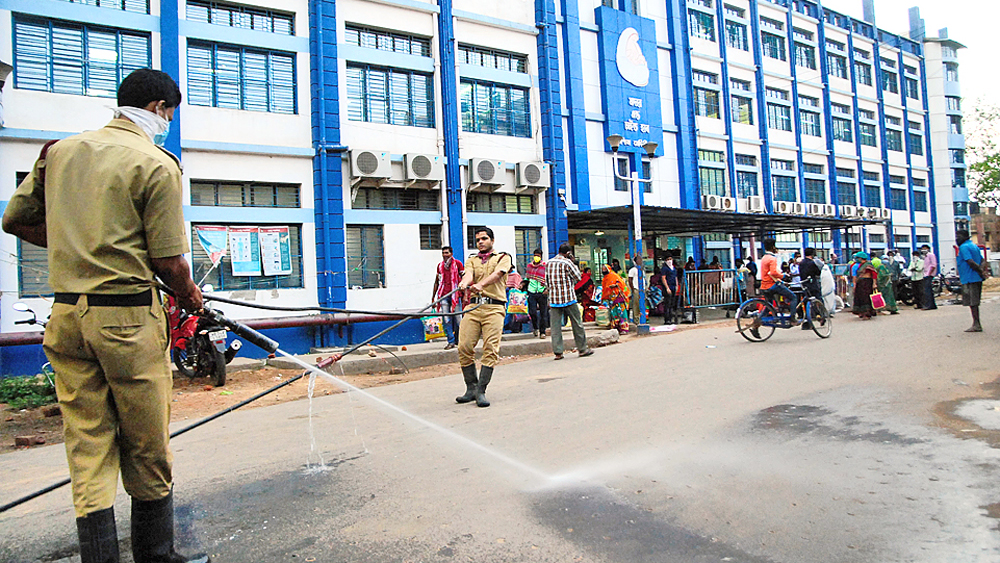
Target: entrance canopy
[(679, 222)]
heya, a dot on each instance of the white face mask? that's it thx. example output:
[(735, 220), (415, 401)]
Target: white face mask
[(155, 126)]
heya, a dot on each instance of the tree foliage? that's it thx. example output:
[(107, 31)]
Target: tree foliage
[(984, 155)]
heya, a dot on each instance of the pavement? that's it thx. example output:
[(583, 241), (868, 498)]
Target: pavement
[(876, 445)]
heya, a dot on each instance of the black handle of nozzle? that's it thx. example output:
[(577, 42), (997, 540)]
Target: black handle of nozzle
[(243, 331)]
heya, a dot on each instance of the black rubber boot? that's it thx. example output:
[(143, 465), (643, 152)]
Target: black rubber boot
[(153, 533), (469, 373), (485, 375), (98, 537)]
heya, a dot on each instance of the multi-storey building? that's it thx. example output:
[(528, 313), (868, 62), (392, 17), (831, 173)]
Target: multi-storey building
[(948, 141), (353, 138)]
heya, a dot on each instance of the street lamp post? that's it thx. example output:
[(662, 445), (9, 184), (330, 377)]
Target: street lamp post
[(634, 181)]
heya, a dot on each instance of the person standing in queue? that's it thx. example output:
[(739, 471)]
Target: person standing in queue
[(108, 334), (486, 279)]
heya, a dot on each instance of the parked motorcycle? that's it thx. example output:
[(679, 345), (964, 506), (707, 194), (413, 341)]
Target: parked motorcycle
[(198, 345)]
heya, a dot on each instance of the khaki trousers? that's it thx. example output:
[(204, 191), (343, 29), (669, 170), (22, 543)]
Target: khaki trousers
[(485, 322), (114, 383)]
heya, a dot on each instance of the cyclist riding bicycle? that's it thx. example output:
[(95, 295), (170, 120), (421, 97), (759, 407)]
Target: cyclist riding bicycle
[(771, 281)]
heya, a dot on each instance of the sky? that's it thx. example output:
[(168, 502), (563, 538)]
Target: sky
[(970, 22)]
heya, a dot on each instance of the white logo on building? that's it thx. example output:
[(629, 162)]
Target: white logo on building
[(632, 64)]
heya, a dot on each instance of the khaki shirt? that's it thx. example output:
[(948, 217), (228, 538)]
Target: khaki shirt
[(498, 261), (111, 201)]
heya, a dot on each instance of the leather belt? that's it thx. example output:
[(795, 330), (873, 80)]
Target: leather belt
[(486, 301), (144, 299)]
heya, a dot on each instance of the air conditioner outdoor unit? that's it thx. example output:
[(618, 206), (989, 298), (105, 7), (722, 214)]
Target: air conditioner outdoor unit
[(798, 208), (783, 207), (848, 211), (873, 213), (486, 174), (728, 204), (829, 209), (885, 213), (814, 209), (427, 167), (755, 204), (862, 212), (711, 202), (533, 175), (370, 164)]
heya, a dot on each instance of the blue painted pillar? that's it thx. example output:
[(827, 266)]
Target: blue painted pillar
[(931, 188), (551, 116), (170, 63), (328, 193), (687, 136), (576, 125), (449, 124), (765, 146)]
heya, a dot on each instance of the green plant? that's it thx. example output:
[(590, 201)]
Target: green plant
[(26, 392)]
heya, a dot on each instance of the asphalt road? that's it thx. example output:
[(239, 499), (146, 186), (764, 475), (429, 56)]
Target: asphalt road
[(687, 447)]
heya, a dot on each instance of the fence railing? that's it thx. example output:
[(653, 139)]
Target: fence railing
[(712, 288)]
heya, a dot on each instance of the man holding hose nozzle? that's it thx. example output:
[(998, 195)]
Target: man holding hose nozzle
[(486, 279), (107, 205)]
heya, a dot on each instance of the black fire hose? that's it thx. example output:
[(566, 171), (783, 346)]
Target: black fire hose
[(261, 341)]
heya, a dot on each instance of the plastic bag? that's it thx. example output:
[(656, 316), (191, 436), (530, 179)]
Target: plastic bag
[(433, 327), (878, 302), (517, 302)]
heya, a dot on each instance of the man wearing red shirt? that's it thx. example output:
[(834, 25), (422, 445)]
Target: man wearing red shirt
[(449, 273)]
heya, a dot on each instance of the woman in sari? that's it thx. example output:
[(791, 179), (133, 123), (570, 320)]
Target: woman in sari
[(884, 283), (864, 286), (615, 295)]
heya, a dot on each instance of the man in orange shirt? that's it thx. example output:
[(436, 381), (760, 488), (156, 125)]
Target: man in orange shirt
[(771, 274)]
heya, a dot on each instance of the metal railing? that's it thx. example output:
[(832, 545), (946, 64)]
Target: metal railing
[(712, 288)]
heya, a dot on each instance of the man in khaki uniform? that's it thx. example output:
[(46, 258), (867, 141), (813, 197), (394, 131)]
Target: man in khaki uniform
[(107, 205), (486, 278)]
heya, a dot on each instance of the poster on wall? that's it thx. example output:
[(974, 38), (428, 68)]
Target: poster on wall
[(276, 251), (213, 240), (244, 244)]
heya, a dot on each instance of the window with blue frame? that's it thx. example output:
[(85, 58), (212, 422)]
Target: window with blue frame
[(244, 194), (72, 58), (919, 201), (864, 73), (847, 193), (894, 140), (873, 195), (736, 36), (526, 240), (702, 25), (495, 109), (246, 78), (837, 65), (221, 276), (494, 203), (706, 102), (779, 117), (624, 170), (916, 143), (487, 57), (712, 181), (245, 17), (842, 130), (867, 134), (890, 82), (383, 40), (809, 122), (365, 257), (742, 110), (805, 56), (746, 183), (815, 191), (389, 95), (912, 88), (138, 6), (773, 46), (784, 188), (897, 198)]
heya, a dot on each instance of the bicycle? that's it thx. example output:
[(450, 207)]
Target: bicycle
[(757, 318)]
